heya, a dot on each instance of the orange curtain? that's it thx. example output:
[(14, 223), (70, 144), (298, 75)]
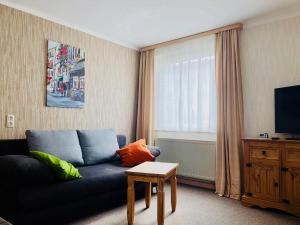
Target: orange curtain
[(144, 128), (229, 114)]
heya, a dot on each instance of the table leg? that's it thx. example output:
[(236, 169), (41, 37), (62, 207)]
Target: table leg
[(148, 194), (160, 202), (173, 192), (130, 201)]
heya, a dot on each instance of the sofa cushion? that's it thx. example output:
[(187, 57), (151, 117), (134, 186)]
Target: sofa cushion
[(24, 170), (62, 144), (97, 179), (98, 145)]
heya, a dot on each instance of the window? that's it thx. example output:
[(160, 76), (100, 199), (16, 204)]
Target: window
[(185, 88)]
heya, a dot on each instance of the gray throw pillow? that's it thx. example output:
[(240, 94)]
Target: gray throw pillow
[(98, 145), (62, 144)]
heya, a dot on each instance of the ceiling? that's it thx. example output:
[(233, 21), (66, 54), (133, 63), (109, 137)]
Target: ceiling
[(139, 23)]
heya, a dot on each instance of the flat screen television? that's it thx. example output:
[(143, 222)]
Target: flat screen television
[(287, 110)]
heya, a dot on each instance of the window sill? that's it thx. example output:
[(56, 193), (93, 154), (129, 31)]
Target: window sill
[(186, 136)]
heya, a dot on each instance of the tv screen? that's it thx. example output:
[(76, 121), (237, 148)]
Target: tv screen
[(287, 110)]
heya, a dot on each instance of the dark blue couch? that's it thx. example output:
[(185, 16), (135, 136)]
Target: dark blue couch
[(103, 186)]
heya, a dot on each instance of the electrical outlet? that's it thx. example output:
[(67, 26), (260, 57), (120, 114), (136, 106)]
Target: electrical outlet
[(10, 120)]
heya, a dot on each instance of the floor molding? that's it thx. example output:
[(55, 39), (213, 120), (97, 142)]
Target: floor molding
[(196, 182)]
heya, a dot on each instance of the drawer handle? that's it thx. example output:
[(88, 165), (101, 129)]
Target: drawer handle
[(263, 152), (286, 201)]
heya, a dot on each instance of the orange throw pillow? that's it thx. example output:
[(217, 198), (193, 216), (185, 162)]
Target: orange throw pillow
[(135, 153)]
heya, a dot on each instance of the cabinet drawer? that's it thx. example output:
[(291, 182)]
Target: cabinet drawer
[(264, 153), (264, 144)]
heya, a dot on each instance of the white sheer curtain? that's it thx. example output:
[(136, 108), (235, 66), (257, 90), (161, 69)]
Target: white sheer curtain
[(185, 88)]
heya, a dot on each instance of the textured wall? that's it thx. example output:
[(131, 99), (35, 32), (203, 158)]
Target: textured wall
[(111, 78), (270, 56)]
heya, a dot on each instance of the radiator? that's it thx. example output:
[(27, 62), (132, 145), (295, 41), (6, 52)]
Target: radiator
[(196, 158)]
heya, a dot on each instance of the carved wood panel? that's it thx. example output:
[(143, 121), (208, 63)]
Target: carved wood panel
[(264, 181), (293, 182)]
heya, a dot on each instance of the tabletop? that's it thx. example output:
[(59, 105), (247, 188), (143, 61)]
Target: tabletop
[(152, 169)]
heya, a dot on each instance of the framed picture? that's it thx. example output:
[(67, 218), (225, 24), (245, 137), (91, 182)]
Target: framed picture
[(65, 76)]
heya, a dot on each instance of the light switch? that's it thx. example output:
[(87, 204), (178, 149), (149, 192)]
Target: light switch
[(10, 120)]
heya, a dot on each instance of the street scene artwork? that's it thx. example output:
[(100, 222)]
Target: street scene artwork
[(65, 76)]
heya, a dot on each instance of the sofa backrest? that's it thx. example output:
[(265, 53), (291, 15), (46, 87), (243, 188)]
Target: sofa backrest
[(14, 147), (20, 147)]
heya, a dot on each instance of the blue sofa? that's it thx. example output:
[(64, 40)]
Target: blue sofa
[(24, 201)]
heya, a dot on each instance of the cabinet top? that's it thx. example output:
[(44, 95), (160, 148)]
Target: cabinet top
[(270, 140)]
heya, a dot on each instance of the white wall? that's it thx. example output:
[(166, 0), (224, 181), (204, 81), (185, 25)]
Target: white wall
[(270, 57)]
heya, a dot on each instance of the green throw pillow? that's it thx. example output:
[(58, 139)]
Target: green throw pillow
[(64, 170)]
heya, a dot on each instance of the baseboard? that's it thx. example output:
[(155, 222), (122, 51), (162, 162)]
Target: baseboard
[(196, 182)]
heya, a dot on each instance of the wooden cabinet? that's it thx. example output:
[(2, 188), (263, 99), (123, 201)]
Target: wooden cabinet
[(272, 174)]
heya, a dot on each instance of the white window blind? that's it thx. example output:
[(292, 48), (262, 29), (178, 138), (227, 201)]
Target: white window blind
[(185, 88)]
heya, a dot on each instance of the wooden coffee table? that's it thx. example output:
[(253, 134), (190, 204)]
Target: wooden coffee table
[(151, 172)]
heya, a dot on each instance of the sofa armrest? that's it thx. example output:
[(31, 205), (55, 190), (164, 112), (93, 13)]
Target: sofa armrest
[(121, 140), (154, 150)]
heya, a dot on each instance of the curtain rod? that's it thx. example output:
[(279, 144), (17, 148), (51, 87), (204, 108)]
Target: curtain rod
[(190, 37)]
